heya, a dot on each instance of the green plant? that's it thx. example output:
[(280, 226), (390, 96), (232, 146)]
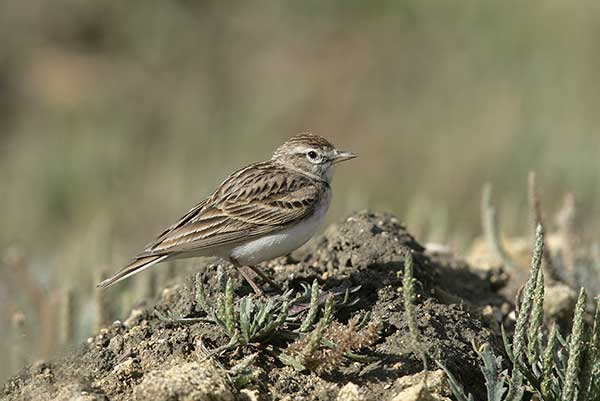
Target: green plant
[(563, 370), (544, 364), (331, 342), (249, 320), (294, 338), (537, 219), (500, 383), (242, 374)]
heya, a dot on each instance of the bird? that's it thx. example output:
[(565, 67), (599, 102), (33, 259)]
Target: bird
[(262, 211)]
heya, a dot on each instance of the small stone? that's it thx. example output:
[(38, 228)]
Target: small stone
[(39, 366), (116, 344), (559, 302), (133, 318), (350, 392), (492, 317), (249, 395), (412, 387), (415, 393)]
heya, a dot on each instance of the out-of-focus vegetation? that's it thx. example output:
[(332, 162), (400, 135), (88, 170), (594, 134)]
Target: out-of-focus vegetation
[(116, 117)]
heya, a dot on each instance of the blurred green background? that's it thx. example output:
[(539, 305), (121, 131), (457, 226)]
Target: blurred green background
[(117, 116)]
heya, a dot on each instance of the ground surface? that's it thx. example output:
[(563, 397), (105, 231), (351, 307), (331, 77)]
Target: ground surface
[(146, 358)]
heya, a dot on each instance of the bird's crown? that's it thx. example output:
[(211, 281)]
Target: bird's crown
[(299, 143)]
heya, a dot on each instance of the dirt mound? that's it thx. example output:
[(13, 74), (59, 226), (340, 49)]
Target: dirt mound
[(147, 358)]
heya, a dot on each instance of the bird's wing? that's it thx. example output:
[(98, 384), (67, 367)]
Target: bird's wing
[(256, 200)]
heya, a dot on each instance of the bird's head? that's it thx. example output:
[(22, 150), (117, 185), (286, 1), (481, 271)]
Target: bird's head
[(311, 154)]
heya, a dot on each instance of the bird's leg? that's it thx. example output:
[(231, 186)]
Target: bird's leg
[(265, 277), (255, 287)]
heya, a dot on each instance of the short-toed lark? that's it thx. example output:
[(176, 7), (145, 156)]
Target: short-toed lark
[(260, 212)]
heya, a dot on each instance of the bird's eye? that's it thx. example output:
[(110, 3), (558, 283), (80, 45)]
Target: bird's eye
[(312, 154)]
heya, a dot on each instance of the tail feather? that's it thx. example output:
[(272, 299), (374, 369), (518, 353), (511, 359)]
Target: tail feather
[(134, 267)]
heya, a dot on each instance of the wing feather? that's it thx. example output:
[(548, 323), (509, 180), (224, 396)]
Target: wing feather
[(256, 200)]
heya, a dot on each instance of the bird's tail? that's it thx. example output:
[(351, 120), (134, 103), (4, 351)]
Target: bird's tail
[(134, 267)]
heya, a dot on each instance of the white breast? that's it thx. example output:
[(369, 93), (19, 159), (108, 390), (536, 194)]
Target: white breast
[(282, 242)]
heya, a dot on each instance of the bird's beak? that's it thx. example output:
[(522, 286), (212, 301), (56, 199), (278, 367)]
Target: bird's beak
[(341, 156)]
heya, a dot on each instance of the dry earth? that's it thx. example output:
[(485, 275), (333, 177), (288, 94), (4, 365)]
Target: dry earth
[(146, 358)]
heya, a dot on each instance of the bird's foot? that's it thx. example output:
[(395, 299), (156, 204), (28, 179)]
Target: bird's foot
[(274, 285), (255, 287)]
